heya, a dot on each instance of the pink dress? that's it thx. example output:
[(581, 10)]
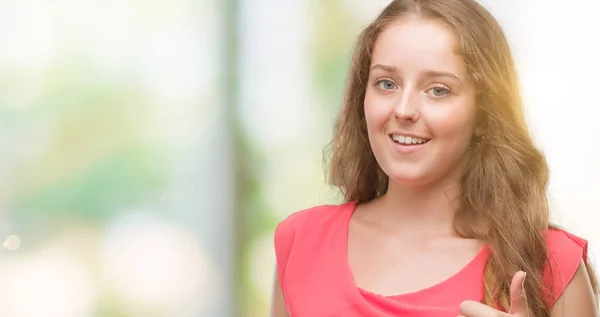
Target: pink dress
[(317, 281)]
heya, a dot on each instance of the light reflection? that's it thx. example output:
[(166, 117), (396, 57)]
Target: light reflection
[(51, 283), (158, 266), (28, 33), (12, 243)]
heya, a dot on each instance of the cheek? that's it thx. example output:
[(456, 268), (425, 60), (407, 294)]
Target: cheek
[(377, 113), (452, 132), (453, 126)]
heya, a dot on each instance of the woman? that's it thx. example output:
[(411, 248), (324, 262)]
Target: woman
[(446, 210)]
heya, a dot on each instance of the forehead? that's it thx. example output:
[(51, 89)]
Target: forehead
[(418, 43)]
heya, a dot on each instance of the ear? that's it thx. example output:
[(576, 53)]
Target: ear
[(479, 134), (479, 131), (481, 124), (480, 127)]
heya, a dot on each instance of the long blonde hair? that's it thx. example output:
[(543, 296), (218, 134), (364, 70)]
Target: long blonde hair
[(503, 197)]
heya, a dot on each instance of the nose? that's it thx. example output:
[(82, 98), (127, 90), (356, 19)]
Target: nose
[(407, 107)]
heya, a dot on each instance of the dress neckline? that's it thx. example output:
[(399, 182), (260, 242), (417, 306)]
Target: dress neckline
[(475, 263)]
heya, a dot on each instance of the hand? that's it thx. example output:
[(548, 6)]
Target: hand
[(518, 302)]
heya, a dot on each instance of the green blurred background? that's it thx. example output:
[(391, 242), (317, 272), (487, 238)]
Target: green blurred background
[(144, 166), (149, 148)]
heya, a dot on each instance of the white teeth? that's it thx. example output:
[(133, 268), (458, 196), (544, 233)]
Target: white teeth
[(407, 139)]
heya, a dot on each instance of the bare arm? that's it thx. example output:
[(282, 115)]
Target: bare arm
[(578, 298), (278, 308)]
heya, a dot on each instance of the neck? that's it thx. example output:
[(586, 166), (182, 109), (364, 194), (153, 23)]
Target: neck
[(426, 209)]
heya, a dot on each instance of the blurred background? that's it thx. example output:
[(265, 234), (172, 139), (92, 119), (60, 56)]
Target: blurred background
[(148, 148)]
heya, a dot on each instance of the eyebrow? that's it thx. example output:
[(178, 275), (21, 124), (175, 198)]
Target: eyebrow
[(387, 68), (428, 73)]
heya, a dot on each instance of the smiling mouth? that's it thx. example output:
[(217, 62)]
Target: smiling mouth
[(407, 140)]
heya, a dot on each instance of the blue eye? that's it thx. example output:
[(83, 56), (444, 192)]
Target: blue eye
[(439, 91), (386, 84)]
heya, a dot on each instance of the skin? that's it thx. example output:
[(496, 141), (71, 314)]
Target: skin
[(417, 86), (404, 241)]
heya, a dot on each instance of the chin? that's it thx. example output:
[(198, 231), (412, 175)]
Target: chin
[(411, 178), (405, 181)]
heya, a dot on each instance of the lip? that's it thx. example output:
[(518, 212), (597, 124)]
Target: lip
[(407, 149)]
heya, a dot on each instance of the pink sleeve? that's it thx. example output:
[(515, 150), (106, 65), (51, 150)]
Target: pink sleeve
[(565, 252), (285, 234)]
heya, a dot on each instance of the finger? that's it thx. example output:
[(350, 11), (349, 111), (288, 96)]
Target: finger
[(475, 309), (518, 298)]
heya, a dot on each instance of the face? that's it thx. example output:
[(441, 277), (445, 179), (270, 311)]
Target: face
[(419, 104)]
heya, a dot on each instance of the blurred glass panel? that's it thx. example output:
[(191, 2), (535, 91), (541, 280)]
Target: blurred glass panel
[(114, 175)]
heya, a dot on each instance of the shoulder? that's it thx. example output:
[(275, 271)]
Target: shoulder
[(566, 252), (561, 244), (299, 235), (315, 218)]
